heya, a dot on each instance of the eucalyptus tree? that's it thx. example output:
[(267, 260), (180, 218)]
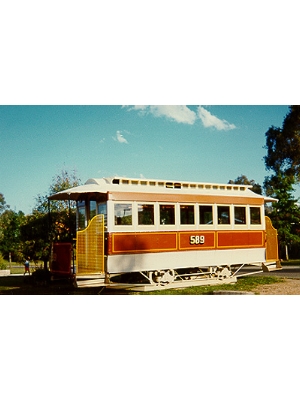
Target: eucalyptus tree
[(283, 160), (283, 146)]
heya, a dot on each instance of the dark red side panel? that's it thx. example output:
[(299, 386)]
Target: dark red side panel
[(61, 258)]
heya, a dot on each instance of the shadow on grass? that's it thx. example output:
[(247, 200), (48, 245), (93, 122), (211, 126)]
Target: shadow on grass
[(25, 285)]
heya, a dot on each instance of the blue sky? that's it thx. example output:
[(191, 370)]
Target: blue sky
[(158, 52), (196, 143)]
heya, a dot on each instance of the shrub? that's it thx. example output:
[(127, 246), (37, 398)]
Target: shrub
[(3, 263), (41, 277)]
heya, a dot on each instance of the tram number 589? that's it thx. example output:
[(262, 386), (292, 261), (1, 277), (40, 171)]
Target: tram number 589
[(197, 239)]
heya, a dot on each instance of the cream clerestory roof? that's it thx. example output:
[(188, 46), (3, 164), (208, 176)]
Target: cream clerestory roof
[(123, 184)]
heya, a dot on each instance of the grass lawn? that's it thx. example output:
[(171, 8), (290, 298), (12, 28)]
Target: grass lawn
[(290, 262), (25, 286), (247, 284), (17, 270)]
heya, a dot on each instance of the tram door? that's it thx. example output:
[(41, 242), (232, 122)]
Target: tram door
[(90, 248), (271, 241)]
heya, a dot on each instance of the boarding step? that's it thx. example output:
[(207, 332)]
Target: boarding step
[(270, 267), (90, 282), (180, 284)]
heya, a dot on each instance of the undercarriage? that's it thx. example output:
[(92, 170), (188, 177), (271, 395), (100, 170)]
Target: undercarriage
[(177, 278)]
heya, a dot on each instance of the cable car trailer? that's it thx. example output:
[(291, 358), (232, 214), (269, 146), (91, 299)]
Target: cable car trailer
[(142, 234)]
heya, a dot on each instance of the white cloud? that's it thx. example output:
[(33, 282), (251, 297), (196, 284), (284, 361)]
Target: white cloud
[(180, 114), (184, 115), (119, 137), (138, 108), (211, 121)]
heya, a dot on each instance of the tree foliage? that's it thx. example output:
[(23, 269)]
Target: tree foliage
[(35, 236), (3, 204), (63, 181), (30, 235), (243, 180), (10, 235), (3, 263), (283, 159), (42, 227), (10, 222), (283, 146), (285, 213)]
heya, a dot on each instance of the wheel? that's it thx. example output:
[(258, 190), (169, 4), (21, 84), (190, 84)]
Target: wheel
[(168, 277), (161, 278), (224, 273)]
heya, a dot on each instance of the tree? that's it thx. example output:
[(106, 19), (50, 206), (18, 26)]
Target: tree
[(243, 180), (3, 204), (285, 213), (49, 222), (63, 181), (10, 238), (283, 159), (283, 146), (35, 237)]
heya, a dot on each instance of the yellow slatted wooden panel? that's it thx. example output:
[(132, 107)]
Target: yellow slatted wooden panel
[(90, 248), (271, 241)]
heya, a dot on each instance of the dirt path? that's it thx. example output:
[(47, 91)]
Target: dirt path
[(289, 286)]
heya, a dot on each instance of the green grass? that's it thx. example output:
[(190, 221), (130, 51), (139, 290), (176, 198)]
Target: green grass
[(247, 284), (24, 285), (290, 262), (17, 270)]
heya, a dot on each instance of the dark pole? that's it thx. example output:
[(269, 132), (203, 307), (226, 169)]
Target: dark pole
[(49, 230), (49, 221), (71, 236), (70, 221)]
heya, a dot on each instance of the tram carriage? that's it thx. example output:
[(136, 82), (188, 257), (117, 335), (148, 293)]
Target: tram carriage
[(152, 234)]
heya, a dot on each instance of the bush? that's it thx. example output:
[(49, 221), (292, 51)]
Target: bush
[(3, 263), (41, 277)]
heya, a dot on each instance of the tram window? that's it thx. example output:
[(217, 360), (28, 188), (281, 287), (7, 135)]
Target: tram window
[(123, 214), (102, 209), (167, 214), (255, 218), (223, 215), (81, 220), (206, 215), (240, 215), (93, 208), (146, 214), (187, 215)]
